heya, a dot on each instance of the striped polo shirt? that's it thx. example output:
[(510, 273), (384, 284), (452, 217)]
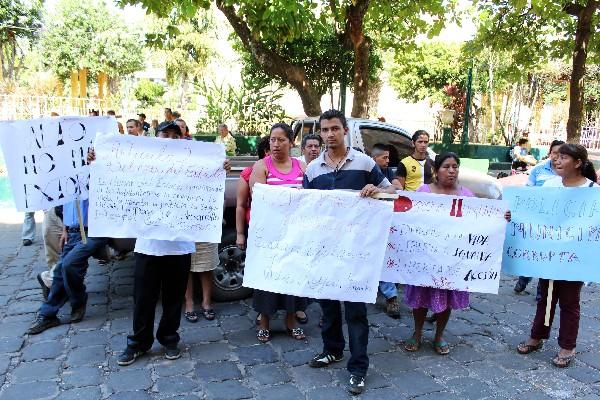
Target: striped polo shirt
[(355, 173)]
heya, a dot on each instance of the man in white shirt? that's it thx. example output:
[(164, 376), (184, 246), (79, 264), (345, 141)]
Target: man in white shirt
[(159, 265)]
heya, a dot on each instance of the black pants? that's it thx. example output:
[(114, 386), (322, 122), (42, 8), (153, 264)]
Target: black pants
[(151, 274), (358, 333)]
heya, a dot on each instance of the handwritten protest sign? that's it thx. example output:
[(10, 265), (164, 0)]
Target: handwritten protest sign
[(446, 242), (46, 158), (157, 188), (554, 233), (316, 243)]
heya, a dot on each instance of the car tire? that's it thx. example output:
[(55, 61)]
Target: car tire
[(229, 274)]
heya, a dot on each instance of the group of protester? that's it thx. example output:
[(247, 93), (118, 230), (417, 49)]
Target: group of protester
[(166, 265)]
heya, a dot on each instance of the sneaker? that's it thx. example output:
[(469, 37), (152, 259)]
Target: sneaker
[(27, 242), (45, 289), (324, 359), (42, 323), (357, 384), (172, 353), (128, 356), (393, 308), (77, 314)]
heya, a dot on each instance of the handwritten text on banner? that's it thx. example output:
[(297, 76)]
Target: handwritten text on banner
[(318, 244), (446, 242), (554, 233), (46, 158), (157, 188)]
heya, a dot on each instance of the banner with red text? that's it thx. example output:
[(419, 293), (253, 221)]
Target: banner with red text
[(446, 242)]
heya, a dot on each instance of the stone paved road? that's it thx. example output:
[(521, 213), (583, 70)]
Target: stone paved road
[(222, 359)]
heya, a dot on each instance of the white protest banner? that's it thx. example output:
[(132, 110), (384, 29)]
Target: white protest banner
[(46, 158), (446, 242), (156, 188), (320, 244)]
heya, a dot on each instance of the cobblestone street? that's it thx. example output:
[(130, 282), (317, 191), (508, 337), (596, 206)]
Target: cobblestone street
[(223, 360)]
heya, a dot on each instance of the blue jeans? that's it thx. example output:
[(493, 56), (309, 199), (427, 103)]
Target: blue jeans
[(388, 290), (524, 280), (69, 274), (358, 333), (28, 232)]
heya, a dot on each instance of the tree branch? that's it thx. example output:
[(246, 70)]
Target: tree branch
[(573, 9), (272, 62)]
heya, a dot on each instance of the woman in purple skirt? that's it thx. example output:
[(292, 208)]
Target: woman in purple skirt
[(439, 301)]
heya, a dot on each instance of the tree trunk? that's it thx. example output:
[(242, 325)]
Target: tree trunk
[(355, 16), (273, 63), (491, 94), (584, 15)]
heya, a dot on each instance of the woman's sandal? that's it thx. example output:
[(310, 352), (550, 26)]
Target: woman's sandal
[(563, 361), (412, 344), (296, 333), (524, 348), (441, 347), (208, 313), (302, 320), (263, 335), (191, 316)]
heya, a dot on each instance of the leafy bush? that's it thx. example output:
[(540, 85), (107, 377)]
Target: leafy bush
[(148, 93)]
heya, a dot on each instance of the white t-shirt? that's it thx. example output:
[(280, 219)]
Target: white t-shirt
[(152, 247), (557, 182)]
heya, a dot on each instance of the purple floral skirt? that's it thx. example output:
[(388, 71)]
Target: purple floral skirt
[(437, 300)]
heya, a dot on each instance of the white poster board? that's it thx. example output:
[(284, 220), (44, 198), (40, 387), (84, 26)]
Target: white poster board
[(446, 242), (156, 188), (46, 158), (320, 244)]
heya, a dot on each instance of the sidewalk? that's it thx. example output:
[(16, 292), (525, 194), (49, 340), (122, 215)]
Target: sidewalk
[(222, 359)]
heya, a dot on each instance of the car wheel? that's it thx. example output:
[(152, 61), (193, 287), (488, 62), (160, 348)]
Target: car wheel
[(229, 274)]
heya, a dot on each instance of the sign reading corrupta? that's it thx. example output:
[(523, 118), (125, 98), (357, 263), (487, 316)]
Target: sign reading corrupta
[(554, 233), (46, 158)]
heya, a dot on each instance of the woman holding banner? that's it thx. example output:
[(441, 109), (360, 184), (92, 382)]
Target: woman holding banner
[(574, 170), (282, 170), (440, 301)]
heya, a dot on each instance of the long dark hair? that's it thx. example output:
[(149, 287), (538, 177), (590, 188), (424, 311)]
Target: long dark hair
[(440, 158), (284, 127), (578, 152)]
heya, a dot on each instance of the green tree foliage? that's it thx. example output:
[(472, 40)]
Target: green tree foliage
[(84, 34), (281, 37), (20, 23), (148, 93), (252, 109), (424, 72), (539, 30)]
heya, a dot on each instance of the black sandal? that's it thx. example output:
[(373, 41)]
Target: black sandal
[(296, 333), (524, 348), (563, 362), (302, 320), (263, 335), (208, 313), (191, 316)]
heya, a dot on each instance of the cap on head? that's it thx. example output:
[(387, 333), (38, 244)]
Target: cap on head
[(169, 125)]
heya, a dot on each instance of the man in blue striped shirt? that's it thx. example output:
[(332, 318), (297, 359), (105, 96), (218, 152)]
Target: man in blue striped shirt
[(341, 167)]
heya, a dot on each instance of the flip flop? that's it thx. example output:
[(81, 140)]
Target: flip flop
[(524, 348), (412, 345), (191, 316), (563, 361), (441, 347), (296, 333), (263, 335), (208, 313), (302, 320)]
